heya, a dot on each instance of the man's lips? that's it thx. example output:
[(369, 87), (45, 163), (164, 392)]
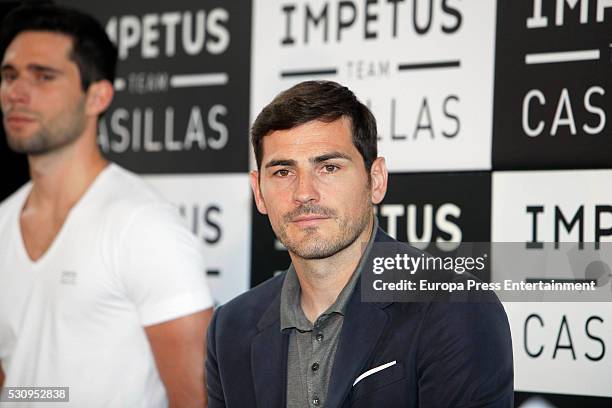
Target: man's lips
[(309, 220), (17, 119)]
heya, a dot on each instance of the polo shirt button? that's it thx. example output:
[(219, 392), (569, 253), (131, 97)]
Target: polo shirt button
[(316, 401), (319, 337), (315, 366)]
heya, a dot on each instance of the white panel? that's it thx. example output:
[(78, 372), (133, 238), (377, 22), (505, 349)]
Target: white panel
[(590, 328), (217, 210), (583, 369), (458, 99)]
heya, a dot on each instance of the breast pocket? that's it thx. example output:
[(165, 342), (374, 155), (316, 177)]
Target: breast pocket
[(377, 382)]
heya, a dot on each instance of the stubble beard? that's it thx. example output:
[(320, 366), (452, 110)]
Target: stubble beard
[(314, 245), (60, 132)]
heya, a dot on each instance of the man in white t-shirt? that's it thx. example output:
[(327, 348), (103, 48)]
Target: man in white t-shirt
[(102, 287)]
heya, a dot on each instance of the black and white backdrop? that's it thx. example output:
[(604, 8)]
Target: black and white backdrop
[(492, 117)]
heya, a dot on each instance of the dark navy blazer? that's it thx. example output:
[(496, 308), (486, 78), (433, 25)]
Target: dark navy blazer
[(446, 354)]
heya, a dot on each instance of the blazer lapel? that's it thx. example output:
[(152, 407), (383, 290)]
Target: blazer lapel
[(363, 325), (269, 359)]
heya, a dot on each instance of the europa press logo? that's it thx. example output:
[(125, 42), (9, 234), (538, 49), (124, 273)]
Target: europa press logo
[(413, 63)]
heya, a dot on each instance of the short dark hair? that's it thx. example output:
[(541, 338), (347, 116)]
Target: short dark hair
[(326, 101), (92, 51)]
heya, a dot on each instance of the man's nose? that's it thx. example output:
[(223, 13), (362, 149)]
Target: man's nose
[(16, 92), (305, 189)]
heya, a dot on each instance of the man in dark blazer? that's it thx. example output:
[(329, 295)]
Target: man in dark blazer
[(305, 338)]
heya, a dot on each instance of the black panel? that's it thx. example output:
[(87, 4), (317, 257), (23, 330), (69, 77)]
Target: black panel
[(583, 87)]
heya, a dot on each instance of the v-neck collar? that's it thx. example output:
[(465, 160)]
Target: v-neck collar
[(52, 248)]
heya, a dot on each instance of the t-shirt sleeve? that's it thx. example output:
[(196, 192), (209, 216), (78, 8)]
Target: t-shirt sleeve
[(161, 265)]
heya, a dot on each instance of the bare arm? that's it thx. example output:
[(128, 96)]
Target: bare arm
[(179, 348)]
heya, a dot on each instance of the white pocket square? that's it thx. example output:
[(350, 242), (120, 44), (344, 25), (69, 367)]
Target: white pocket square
[(374, 370)]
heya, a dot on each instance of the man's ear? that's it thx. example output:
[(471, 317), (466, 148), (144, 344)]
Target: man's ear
[(259, 202), (378, 177), (99, 97)]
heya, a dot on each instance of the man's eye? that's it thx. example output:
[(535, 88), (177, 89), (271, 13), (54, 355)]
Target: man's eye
[(330, 168), (44, 77), (8, 76), (281, 173)]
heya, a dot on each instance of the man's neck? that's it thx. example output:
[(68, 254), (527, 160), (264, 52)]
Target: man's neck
[(322, 280), (61, 177)]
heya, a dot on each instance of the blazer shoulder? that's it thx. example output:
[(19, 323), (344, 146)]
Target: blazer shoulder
[(251, 305)]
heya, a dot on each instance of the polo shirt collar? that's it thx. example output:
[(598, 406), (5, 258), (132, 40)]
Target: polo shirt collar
[(291, 313)]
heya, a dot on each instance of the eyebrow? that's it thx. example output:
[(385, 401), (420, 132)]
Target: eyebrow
[(34, 68), (315, 160), (330, 156), (274, 163)]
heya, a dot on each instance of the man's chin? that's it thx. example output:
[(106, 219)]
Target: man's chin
[(31, 145), (312, 253), (30, 150), (314, 247)]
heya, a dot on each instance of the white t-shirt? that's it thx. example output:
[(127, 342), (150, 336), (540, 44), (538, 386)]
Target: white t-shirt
[(74, 318)]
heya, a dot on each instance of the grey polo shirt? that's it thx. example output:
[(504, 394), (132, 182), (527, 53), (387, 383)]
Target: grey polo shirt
[(312, 347)]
